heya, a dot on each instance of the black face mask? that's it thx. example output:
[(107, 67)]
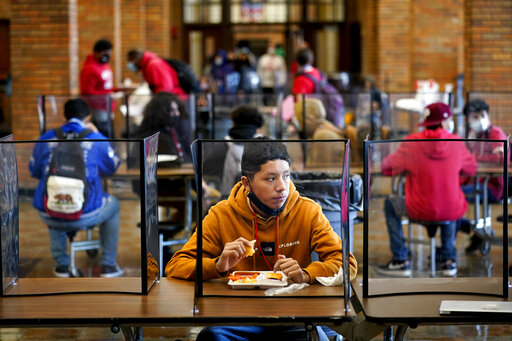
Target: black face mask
[(105, 58), (262, 207)]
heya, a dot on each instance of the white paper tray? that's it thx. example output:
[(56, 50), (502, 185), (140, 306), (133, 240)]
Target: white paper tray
[(262, 282)]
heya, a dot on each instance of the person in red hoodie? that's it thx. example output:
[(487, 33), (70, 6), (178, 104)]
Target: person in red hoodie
[(159, 75), (302, 84), (97, 83), (432, 190)]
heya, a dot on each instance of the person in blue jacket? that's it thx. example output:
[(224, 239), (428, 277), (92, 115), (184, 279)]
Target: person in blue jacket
[(100, 208)]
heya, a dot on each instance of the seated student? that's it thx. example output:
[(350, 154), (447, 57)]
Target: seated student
[(432, 191), (319, 128), (262, 206), (480, 127), (168, 114), (100, 208), (224, 158)]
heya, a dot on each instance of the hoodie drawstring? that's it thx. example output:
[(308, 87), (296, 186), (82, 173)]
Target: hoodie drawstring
[(258, 242)]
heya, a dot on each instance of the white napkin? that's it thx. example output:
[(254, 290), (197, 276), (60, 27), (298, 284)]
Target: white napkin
[(333, 280), (286, 290)]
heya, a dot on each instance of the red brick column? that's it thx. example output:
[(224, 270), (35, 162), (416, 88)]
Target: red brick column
[(40, 58), (488, 34)]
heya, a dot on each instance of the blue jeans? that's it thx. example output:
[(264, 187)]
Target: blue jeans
[(107, 216), (396, 236), (240, 333), (470, 190)]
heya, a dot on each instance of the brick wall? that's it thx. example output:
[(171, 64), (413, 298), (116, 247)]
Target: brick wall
[(367, 14), (394, 45), (437, 40), (488, 42), (95, 21), (40, 58), (5, 9)]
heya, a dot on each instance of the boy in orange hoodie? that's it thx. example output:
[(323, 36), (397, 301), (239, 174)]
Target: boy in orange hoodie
[(264, 206)]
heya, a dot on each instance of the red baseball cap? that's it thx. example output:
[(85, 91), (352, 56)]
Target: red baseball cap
[(435, 113)]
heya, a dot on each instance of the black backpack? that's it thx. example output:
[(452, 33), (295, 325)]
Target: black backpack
[(66, 186), (186, 76)]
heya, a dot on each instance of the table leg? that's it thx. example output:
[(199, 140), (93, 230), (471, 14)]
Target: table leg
[(360, 329), (388, 334), (400, 332), (132, 334)]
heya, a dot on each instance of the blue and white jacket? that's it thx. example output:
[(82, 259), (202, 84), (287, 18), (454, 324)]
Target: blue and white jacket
[(100, 159)]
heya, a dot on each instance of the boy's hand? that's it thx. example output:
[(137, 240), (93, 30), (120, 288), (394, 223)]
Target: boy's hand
[(291, 269), (232, 254), (91, 126)]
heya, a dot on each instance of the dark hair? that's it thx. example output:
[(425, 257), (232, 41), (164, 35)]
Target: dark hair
[(434, 127), (258, 153), (305, 56), (134, 54), (247, 115), (102, 45), (157, 113), (475, 105), (76, 107)]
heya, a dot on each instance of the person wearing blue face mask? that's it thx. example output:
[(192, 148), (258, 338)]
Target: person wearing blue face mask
[(96, 85), (266, 208)]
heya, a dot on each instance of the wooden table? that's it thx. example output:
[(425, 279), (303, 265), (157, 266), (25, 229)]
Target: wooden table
[(419, 309), (170, 302)]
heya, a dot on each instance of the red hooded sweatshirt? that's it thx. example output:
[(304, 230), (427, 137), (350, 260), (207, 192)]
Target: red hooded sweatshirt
[(160, 75), (303, 85), (96, 79), (432, 168)]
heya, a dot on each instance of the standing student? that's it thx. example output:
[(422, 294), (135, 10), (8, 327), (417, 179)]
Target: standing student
[(100, 208), (264, 206), (97, 83), (156, 71), (432, 192), (302, 83)]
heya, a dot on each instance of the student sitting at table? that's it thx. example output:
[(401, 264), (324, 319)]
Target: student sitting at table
[(99, 207), (222, 160), (264, 206), (432, 191), (480, 127)]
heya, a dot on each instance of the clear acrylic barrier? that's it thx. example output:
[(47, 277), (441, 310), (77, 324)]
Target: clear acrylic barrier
[(406, 110), (214, 119), (411, 184), (30, 247), (50, 109), (319, 170), (133, 108)]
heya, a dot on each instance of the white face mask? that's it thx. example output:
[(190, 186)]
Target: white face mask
[(451, 126), (479, 126)]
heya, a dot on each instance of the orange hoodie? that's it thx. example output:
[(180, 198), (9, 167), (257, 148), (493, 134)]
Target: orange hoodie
[(302, 228)]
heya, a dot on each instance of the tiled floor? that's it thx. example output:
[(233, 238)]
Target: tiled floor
[(35, 261)]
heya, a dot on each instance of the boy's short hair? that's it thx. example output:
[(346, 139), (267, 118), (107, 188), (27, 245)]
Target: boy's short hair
[(476, 105), (258, 153), (76, 107), (102, 45), (134, 54), (305, 56), (247, 115)]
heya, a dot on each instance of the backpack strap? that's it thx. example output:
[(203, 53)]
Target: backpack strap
[(62, 136), (309, 76), (83, 134)]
